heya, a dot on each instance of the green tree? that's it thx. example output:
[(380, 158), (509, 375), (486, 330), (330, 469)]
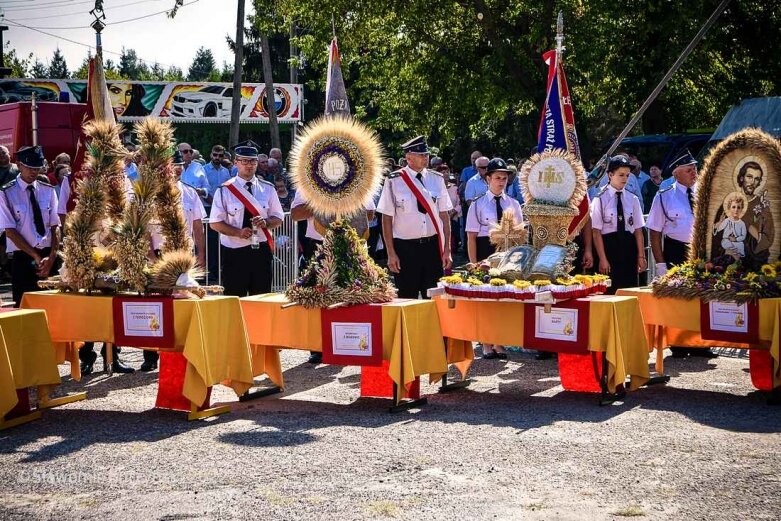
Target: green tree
[(39, 69), (130, 67), (19, 66), (82, 73), (156, 72), (57, 67), (174, 73), (203, 67)]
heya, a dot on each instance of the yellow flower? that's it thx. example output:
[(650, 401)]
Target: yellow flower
[(497, 282), (452, 279), (474, 282), (769, 271), (522, 284), (750, 276), (542, 282)]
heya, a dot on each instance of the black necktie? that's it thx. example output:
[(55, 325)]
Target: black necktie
[(37, 217), (690, 195), (498, 201), (419, 177), (620, 213), (247, 223)]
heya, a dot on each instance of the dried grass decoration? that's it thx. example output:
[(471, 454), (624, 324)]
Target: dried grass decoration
[(101, 202), (508, 233), (554, 184), (337, 164)]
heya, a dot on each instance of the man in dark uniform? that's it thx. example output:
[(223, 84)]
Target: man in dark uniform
[(28, 214), (415, 222), (244, 211)]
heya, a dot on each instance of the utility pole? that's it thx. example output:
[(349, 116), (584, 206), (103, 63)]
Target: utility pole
[(293, 72), (270, 94), (238, 64), (4, 71)]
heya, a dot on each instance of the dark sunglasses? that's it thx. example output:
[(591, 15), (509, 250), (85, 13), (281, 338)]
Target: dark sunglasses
[(215, 154), (187, 151)]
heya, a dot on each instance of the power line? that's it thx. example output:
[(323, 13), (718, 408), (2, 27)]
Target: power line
[(112, 8), (88, 46), (165, 11), (60, 3)]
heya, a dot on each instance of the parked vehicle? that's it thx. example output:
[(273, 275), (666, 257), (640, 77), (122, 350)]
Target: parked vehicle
[(59, 126), (764, 113)]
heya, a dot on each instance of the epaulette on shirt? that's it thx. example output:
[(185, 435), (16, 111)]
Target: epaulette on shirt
[(266, 182), (394, 175), (666, 189), (430, 171), (44, 183), (602, 191), (8, 185)]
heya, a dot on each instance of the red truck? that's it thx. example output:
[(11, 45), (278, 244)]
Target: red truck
[(59, 126)]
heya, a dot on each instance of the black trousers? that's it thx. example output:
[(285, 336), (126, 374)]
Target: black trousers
[(675, 252), (484, 248), (212, 246), (88, 347), (246, 271), (23, 274), (421, 266), (621, 253)]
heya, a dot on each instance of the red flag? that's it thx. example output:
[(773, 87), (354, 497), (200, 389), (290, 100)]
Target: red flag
[(98, 108), (557, 125)]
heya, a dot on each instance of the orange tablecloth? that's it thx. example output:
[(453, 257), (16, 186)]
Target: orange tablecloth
[(210, 333), (412, 340), (615, 328), (26, 355), (672, 321)]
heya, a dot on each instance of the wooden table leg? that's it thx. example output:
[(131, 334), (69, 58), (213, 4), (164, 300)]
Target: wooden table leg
[(108, 358), (46, 402), (659, 342)]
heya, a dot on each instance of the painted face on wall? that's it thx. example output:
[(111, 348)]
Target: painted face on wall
[(120, 95)]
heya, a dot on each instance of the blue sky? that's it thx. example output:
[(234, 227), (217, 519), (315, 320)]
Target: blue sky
[(155, 38)]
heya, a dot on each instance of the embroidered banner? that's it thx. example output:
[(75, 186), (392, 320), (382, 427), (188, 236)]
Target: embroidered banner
[(564, 329), (729, 322), (144, 322), (352, 335)]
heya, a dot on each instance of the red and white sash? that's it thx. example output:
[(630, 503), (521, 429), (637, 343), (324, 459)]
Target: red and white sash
[(426, 202), (251, 205)]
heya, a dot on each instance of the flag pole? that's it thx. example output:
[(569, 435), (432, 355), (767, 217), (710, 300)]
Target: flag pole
[(559, 36)]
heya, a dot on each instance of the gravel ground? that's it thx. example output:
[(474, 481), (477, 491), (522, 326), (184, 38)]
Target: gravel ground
[(513, 445)]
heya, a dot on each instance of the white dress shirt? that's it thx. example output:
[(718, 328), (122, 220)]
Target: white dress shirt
[(16, 212), (604, 214), (227, 208), (311, 231), (482, 213), (398, 201), (193, 210), (671, 213)]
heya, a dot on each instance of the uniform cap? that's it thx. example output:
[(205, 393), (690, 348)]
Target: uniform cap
[(31, 156), (416, 145)]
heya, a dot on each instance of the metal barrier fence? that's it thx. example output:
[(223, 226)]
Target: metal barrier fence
[(284, 264)]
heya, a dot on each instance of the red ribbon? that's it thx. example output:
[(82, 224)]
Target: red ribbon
[(248, 206)]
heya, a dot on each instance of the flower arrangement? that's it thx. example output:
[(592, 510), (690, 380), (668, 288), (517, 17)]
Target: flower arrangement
[(498, 288), (722, 278), (342, 271)]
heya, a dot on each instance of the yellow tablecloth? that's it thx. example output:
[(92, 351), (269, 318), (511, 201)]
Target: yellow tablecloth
[(26, 355), (209, 332), (678, 321), (412, 340), (615, 328)]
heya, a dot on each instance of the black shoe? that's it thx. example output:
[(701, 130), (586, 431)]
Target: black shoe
[(87, 365), (119, 367), (490, 356), (703, 353), (315, 358), (501, 356), (679, 352), (543, 355), (148, 366)]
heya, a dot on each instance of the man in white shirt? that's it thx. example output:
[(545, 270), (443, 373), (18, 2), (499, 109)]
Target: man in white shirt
[(244, 211), (415, 222)]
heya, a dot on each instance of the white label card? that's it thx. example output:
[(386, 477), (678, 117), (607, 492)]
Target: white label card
[(558, 324), (728, 316), (143, 319), (352, 338)]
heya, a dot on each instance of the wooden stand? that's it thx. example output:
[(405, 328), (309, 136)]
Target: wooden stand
[(46, 402)]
